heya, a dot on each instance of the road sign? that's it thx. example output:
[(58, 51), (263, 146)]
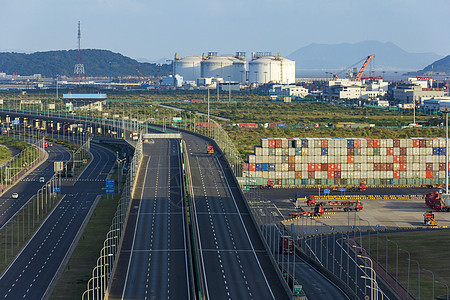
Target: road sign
[(298, 290), (16, 122), (343, 189), (58, 166), (246, 188), (326, 191), (56, 190), (110, 186)]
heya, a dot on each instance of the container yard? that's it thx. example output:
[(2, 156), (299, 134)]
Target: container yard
[(346, 162)]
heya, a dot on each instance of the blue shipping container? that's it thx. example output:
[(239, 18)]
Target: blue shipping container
[(258, 167), (443, 151), (350, 143), (298, 151), (305, 181), (282, 124), (265, 167), (324, 151), (435, 151), (271, 167), (304, 143)]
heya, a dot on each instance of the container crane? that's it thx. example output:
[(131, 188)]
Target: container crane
[(361, 71)]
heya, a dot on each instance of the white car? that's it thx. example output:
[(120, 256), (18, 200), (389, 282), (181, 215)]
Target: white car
[(15, 195), (41, 179)]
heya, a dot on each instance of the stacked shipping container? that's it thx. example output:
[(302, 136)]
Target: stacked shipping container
[(314, 161)]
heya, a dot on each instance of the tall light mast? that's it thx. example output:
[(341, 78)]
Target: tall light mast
[(78, 73)]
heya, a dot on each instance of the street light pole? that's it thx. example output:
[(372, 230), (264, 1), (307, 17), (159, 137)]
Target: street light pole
[(445, 286), (432, 277), (409, 260), (418, 274), (396, 264)]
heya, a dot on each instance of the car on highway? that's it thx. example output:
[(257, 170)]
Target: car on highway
[(15, 195), (41, 179)]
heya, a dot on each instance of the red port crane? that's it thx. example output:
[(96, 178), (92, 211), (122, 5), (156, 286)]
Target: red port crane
[(363, 68)]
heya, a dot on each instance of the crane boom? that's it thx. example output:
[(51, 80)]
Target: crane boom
[(363, 68)]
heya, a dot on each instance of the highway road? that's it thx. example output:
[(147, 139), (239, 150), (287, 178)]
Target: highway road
[(29, 185), (153, 262), (34, 268), (236, 263)]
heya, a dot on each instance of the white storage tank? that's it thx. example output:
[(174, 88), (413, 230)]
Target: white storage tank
[(265, 68), (226, 67), (188, 67)]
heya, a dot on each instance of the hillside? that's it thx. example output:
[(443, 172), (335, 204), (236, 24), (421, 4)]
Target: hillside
[(439, 66), (61, 62), (388, 56)]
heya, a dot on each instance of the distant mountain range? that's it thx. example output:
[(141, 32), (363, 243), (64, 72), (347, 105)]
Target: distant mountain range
[(439, 66), (97, 63), (388, 56)]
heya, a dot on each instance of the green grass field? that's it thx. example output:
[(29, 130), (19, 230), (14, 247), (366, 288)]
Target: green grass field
[(430, 248)]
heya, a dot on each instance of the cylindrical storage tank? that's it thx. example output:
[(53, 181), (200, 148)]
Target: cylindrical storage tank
[(225, 67), (271, 68), (188, 67)]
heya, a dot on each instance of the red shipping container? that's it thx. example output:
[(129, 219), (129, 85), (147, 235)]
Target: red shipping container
[(396, 158), (337, 174), (324, 167), (330, 174), (429, 166), (351, 151), (298, 174), (252, 167), (429, 174), (389, 151), (402, 159), (369, 143), (376, 143), (396, 174), (375, 167), (357, 143), (311, 174), (324, 143), (396, 143), (271, 143), (318, 167), (389, 167), (423, 144), (403, 151), (311, 167), (350, 159), (291, 167), (415, 143), (337, 167), (402, 167), (330, 167), (277, 143), (247, 125), (441, 166)]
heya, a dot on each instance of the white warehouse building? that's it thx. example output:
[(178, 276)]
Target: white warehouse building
[(265, 68), (188, 67), (227, 67)]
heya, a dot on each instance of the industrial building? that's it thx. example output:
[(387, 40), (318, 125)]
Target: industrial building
[(346, 161), (416, 88), (436, 104), (230, 68), (188, 67), (289, 90)]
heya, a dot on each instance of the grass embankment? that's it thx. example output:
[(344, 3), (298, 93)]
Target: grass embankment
[(429, 248)]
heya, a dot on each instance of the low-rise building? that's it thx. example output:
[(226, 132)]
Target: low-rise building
[(435, 104), (414, 89), (290, 90)]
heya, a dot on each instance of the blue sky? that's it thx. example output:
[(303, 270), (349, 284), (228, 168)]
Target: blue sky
[(158, 28)]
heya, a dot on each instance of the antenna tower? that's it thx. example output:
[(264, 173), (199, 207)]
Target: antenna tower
[(78, 73)]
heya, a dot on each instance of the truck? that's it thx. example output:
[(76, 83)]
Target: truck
[(438, 201), (428, 218), (317, 212), (287, 244), (209, 149), (134, 136), (269, 185), (346, 205)]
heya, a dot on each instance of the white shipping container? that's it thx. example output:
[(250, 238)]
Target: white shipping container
[(363, 143), (284, 143), (305, 174), (402, 143), (389, 159), (285, 175), (357, 175), (383, 151), (369, 152), (291, 151), (344, 174), (370, 159), (396, 151), (285, 167), (422, 166), (331, 159), (265, 143), (396, 167), (305, 151), (272, 151), (331, 151), (377, 159), (278, 159), (258, 173), (265, 151), (265, 159), (272, 174), (383, 143), (357, 167), (436, 143), (258, 151), (298, 159), (357, 159), (272, 159), (344, 167), (278, 151), (350, 167), (298, 167), (285, 151), (251, 158), (265, 174), (304, 168), (291, 174), (278, 174), (259, 159), (390, 143)]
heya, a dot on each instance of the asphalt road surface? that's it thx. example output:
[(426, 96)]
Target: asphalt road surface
[(153, 261), (34, 268)]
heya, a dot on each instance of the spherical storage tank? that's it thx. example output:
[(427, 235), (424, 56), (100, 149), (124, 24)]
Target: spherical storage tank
[(226, 67), (189, 67), (269, 68)]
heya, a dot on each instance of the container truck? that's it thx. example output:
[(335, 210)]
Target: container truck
[(134, 136), (346, 205), (287, 244), (438, 201), (428, 218), (209, 149)]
